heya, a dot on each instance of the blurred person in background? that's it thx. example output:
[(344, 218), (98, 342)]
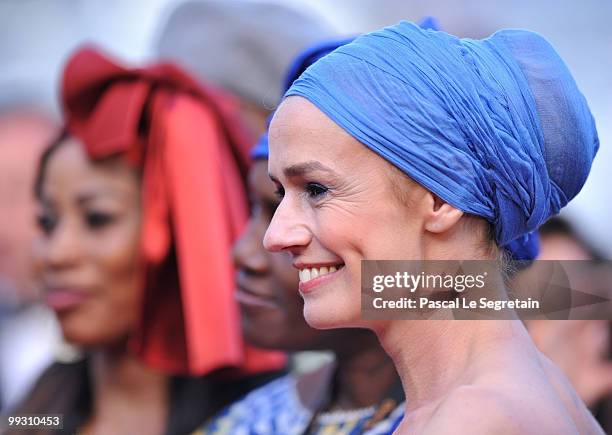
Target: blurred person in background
[(581, 348), (139, 201), (358, 393), (245, 48), (242, 46), (28, 332)]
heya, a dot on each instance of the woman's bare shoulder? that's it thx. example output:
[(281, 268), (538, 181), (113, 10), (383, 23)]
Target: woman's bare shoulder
[(475, 410), (570, 399)]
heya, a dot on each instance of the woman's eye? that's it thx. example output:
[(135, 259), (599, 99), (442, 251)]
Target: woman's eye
[(98, 220), (46, 222), (279, 192), (316, 190), (270, 207)]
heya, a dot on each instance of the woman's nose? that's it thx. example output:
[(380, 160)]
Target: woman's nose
[(62, 248), (287, 230)]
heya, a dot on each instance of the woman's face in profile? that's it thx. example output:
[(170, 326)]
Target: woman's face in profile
[(87, 249), (338, 207), (271, 307)]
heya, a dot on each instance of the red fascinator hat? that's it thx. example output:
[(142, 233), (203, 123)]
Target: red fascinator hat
[(193, 155)]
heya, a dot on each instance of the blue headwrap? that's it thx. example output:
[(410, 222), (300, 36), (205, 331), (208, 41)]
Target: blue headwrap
[(495, 127), (306, 58)]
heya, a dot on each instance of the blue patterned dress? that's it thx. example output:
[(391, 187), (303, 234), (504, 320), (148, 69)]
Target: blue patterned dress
[(276, 409)]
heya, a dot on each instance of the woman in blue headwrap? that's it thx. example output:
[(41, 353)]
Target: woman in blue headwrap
[(413, 144), (360, 392)]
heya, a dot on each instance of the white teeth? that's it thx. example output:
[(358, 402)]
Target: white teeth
[(312, 273)]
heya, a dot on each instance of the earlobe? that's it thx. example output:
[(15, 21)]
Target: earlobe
[(442, 216)]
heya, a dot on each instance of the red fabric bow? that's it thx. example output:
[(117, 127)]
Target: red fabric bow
[(194, 158)]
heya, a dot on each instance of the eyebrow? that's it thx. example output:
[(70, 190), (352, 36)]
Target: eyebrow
[(300, 169), (92, 196)]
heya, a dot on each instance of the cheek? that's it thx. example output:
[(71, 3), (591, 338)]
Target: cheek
[(118, 260), (351, 237), (382, 231), (115, 263), (115, 253)]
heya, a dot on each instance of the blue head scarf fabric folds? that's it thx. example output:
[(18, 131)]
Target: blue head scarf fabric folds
[(495, 127), (307, 57)]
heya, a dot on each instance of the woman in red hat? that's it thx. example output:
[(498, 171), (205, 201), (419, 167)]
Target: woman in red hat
[(140, 200)]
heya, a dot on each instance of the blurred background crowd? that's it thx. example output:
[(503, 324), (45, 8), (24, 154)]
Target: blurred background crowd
[(245, 48)]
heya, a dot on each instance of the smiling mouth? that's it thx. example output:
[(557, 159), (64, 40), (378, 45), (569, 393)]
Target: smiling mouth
[(308, 274)]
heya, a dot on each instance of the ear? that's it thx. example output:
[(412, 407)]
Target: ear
[(441, 216)]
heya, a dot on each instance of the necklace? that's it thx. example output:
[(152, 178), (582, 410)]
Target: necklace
[(343, 416)]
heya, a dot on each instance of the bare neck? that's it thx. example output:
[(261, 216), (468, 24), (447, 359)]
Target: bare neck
[(127, 397), (433, 357)]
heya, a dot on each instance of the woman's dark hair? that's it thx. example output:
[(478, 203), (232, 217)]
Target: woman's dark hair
[(44, 161)]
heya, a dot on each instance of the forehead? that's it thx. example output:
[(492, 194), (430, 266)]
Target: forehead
[(71, 172), (301, 132)]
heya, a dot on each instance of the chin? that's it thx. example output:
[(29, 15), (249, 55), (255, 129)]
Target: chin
[(322, 314), (82, 339), (262, 338), (333, 306), (262, 327), (90, 334)]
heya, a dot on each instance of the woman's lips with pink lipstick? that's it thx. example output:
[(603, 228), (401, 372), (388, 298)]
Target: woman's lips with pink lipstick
[(62, 299), (312, 276)]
